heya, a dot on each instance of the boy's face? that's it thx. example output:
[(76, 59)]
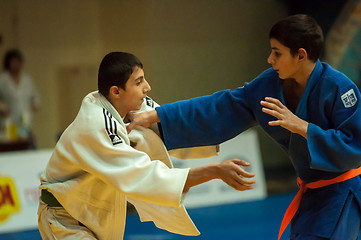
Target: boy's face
[(286, 65), (136, 89)]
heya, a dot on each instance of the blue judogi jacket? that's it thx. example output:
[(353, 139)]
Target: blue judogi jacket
[(330, 103)]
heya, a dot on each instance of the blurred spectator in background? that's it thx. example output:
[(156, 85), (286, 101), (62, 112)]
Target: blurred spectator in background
[(19, 99)]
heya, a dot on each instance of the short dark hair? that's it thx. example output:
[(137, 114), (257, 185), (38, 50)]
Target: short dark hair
[(299, 31), (10, 55), (115, 70)]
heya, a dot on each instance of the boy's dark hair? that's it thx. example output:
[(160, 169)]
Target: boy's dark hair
[(299, 31), (115, 70), (10, 55)]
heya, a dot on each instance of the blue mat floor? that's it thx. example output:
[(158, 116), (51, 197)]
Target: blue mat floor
[(256, 220)]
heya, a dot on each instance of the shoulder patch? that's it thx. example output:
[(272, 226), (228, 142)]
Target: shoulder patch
[(149, 102), (349, 98), (111, 128)]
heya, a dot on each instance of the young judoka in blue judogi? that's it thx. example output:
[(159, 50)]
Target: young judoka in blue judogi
[(309, 108)]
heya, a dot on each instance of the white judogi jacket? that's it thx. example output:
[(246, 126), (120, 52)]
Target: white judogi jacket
[(94, 171)]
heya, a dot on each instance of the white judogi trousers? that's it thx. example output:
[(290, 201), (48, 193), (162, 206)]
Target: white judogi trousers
[(55, 223)]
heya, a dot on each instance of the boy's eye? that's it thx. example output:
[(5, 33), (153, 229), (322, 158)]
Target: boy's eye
[(277, 54), (138, 81)]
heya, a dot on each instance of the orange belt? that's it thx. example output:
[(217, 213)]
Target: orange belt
[(293, 207)]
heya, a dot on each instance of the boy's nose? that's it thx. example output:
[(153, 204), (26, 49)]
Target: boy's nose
[(147, 87), (269, 59)]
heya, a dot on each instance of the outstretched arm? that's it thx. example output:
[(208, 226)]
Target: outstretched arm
[(229, 172), (202, 121)]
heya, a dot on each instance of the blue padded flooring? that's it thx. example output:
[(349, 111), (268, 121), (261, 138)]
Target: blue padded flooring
[(256, 220)]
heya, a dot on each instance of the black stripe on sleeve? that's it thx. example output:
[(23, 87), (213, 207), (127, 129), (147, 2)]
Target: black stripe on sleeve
[(106, 121), (109, 122), (115, 127)]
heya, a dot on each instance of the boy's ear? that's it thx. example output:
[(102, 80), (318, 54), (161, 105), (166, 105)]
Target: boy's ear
[(114, 91), (302, 54)]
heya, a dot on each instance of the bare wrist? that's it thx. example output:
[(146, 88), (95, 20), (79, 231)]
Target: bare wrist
[(302, 129), (213, 171), (152, 117)]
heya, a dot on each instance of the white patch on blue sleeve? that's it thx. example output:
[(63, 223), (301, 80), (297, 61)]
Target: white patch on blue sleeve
[(349, 98)]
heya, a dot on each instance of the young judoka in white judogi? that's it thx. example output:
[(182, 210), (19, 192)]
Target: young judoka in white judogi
[(96, 167)]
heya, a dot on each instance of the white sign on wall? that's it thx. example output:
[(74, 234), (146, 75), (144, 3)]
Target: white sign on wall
[(19, 193), (245, 147)]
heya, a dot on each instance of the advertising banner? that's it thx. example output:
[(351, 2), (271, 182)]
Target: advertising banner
[(19, 193)]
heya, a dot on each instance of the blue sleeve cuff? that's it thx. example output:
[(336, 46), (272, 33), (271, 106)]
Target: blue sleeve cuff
[(317, 160), (162, 117)]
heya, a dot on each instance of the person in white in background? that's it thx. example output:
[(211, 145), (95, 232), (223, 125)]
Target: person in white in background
[(19, 99)]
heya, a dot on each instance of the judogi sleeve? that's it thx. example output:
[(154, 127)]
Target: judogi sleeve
[(338, 149), (182, 153), (207, 120), (130, 171)]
